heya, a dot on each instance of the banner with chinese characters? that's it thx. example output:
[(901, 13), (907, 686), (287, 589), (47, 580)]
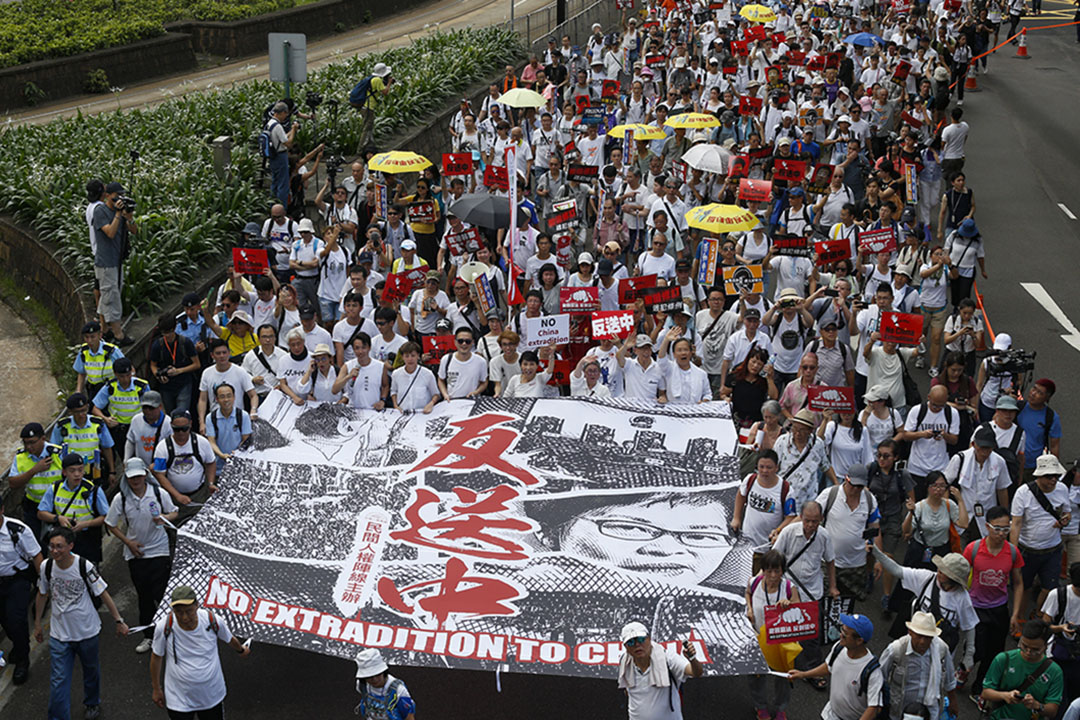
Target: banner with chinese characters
[(515, 534)]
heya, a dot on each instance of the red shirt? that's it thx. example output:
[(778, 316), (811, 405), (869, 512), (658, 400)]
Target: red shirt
[(990, 573)]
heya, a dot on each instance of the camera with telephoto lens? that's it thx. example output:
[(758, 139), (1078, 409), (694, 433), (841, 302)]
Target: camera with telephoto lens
[(333, 167), (126, 203), (313, 99), (1011, 362)]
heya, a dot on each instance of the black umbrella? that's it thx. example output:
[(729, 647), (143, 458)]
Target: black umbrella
[(486, 211)]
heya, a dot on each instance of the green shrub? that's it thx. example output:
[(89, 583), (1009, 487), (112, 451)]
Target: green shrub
[(32, 94), (186, 214), (97, 81)]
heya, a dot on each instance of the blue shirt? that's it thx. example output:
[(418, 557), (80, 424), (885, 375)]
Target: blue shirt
[(104, 437), (194, 330), (99, 504), (227, 435), (80, 368), (101, 400), (1033, 423)]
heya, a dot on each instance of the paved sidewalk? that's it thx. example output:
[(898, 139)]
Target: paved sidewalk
[(26, 384)]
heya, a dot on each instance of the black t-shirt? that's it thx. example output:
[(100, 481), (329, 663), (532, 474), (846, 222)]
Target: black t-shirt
[(178, 354), (747, 399)]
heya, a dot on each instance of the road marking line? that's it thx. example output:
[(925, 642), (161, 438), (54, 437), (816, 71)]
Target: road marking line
[(1036, 290), (1067, 211)]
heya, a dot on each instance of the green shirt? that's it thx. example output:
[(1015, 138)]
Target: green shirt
[(1008, 672)]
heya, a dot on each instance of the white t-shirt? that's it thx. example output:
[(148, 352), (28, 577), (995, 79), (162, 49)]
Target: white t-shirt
[(662, 267), (792, 272), (426, 324), (255, 368), (642, 384), (845, 450), (343, 331), (317, 336), (74, 616), (366, 389), (535, 388), (955, 604), (648, 702), (500, 371), (687, 386), (1072, 608), (846, 676), (979, 485), (846, 526), (235, 375), (807, 568), (414, 391), (462, 377), (765, 509), (381, 349), (1039, 530), (193, 677), (332, 275), (953, 138), (579, 387), (138, 514), (188, 469), (290, 371), (929, 454)]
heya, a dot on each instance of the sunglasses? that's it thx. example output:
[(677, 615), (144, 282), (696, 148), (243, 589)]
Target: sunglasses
[(634, 642), (184, 429), (464, 341)]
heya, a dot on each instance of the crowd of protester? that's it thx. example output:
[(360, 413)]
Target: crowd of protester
[(954, 500)]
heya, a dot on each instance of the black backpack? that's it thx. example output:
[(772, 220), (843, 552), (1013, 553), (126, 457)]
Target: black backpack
[(1008, 453), (864, 675), (84, 571), (170, 448)]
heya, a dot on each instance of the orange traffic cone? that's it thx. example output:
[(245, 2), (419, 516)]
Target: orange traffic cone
[(1021, 50), (970, 85)]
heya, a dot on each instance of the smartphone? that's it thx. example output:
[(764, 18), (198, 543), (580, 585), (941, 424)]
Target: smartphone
[(871, 533), (831, 292)]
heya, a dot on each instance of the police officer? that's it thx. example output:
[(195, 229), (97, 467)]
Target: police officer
[(94, 360), (87, 435), (19, 550), (120, 398), (76, 503), (34, 470)]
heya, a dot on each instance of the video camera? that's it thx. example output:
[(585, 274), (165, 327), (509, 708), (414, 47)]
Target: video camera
[(313, 99), (1011, 362), (333, 167), (126, 203)]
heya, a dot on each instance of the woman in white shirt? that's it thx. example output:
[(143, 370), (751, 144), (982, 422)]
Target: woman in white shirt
[(528, 383), (881, 421), (686, 382), (412, 386), (935, 277), (322, 375), (293, 369), (846, 440), (503, 367), (585, 380)]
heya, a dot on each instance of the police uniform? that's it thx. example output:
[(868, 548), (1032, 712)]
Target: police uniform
[(121, 404), (97, 366), (84, 502), (18, 549), (39, 483), (87, 440)]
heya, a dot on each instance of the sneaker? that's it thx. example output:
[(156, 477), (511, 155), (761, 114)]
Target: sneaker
[(144, 646), (780, 715), (21, 674), (932, 372), (959, 103), (976, 698), (764, 715), (128, 340), (93, 712), (920, 362), (884, 602)]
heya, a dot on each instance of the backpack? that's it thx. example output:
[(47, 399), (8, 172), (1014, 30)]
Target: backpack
[(950, 633), (833, 493), (360, 93), (266, 140), (864, 675), (239, 413), (925, 408), (1008, 454), (785, 486), (168, 630), (84, 564), (170, 448)]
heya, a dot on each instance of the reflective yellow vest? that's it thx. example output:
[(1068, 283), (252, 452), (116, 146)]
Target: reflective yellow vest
[(83, 440), (78, 504), (39, 483), (98, 366), (124, 404)]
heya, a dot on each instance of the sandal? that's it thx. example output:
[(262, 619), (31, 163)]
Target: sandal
[(818, 683)]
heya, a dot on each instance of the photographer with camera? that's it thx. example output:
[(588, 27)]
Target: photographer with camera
[(997, 376), (365, 93), (113, 223), (280, 142), (338, 213)]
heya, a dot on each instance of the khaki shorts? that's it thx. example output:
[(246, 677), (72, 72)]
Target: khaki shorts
[(936, 318), (109, 306)]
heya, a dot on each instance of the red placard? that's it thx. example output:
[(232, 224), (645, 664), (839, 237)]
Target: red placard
[(911, 120), (789, 170), (579, 299), (877, 241), (816, 63), (249, 261), (791, 623), (796, 57), (832, 60), (495, 177), (422, 212), (437, 346), (794, 246), (901, 328), (397, 287), (582, 172), (612, 324), (629, 287), (560, 372), (739, 47), (457, 164), (739, 167), (655, 59), (755, 32), (464, 242), (750, 105), (416, 276), (830, 251), (900, 74), (762, 152), (729, 69), (778, 38), (609, 92), (837, 399), (755, 190), (901, 7)]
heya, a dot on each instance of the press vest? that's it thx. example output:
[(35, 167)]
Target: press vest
[(38, 484), (98, 366), (124, 404)]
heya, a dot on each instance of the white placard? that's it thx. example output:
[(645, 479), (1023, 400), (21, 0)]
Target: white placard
[(542, 331)]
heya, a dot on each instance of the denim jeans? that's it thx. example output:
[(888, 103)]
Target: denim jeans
[(279, 176), (63, 666)]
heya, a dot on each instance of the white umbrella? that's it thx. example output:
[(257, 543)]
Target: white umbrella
[(708, 158)]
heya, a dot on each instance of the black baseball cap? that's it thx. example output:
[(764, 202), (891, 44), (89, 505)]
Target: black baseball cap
[(191, 299), (76, 400), (114, 187), (72, 458), (32, 430)]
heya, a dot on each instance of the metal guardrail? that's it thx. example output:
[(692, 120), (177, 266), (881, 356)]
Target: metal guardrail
[(537, 26)]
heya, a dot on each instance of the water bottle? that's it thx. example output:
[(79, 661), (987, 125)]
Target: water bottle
[(3, 662)]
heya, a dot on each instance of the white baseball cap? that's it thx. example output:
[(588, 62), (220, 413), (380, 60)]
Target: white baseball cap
[(633, 630)]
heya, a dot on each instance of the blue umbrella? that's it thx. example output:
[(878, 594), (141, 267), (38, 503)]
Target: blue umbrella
[(865, 39)]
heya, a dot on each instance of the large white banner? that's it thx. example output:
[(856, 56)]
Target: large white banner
[(519, 534)]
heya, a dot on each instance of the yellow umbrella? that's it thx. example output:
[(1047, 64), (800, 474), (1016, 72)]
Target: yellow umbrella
[(641, 131), (717, 218), (757, 13), (398, 161), (522, 98), (693, 121)]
